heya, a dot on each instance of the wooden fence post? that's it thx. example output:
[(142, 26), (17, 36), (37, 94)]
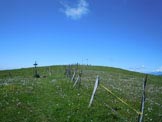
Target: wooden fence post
[(76, 81), (140, 118), (94, 91), (72, 79), (78, 78)]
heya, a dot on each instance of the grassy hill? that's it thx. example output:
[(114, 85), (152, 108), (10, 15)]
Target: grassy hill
[(52, 98)]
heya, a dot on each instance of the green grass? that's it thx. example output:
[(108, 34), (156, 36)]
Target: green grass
[(53, 98)]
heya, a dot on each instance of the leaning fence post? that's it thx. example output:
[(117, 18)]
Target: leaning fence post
[(140, 118), (76, 81), (78, 78), (94, 91), (72, 79)]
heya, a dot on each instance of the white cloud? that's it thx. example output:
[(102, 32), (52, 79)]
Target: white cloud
[(159, 69), (78, 11)]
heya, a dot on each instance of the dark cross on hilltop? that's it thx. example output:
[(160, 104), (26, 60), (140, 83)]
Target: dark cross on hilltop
[(35, 64), (36, 72)]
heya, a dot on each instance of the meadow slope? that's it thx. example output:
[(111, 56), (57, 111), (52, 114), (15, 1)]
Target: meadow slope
[(52, 98)]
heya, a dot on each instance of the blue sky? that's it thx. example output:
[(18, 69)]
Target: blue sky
[(118, 33)]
